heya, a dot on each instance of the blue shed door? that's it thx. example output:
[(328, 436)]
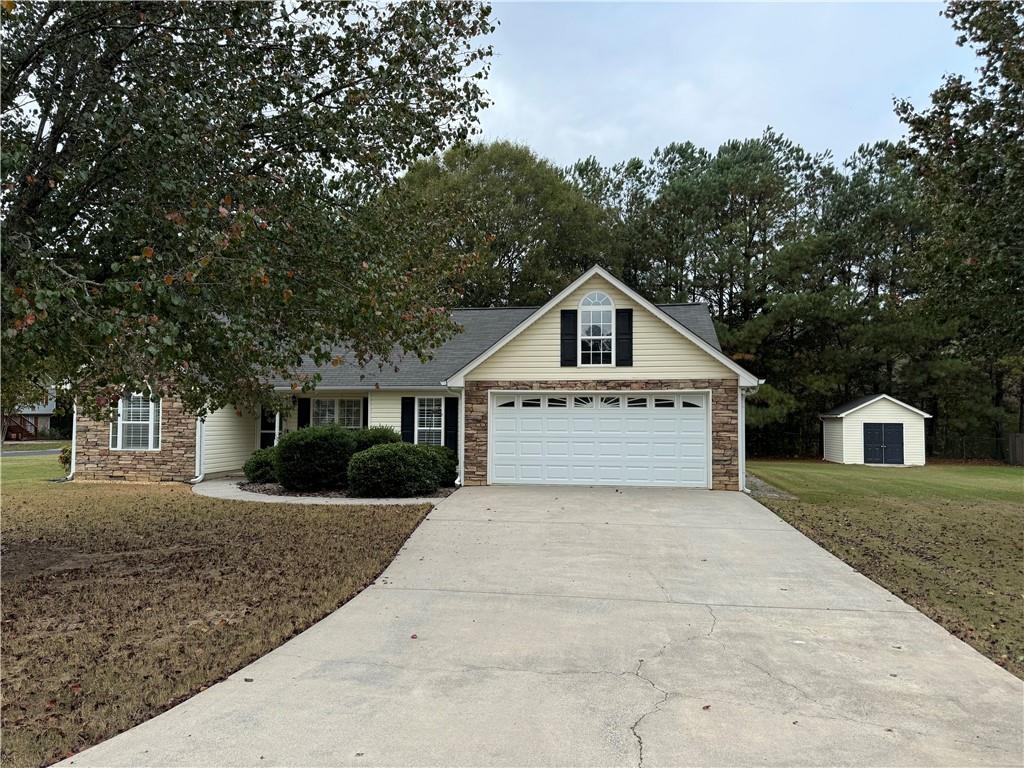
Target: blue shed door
[(874, 436), (892, 444), (883, 443)]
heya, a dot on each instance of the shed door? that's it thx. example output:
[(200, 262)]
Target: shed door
[(883, 443), (892, 445), (874, 435), (594, 438)]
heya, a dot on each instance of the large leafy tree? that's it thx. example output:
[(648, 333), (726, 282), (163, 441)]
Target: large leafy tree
[(968, 148), (191, 196), (531, 229)]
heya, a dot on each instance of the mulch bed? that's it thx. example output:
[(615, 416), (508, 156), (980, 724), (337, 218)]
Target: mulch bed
[(276, 489)]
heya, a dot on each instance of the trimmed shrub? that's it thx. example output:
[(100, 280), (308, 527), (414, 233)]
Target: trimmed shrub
[(259, 468), (371, 436), (65, 458), (313, 458), (445, 462), (392, 469)]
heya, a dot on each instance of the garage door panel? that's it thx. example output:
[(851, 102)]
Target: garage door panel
[(591, 441)]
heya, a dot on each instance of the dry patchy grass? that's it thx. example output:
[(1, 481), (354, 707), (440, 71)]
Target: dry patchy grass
[(121, 601), (947, 539)]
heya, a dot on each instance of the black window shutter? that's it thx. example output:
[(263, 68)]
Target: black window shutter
[(366, 412), (569, 353), (624, 337), (408, 419), (451, 423), (303, 412)]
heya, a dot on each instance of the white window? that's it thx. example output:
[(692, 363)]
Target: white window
[(346, 412), (611, 401), (597, 329), (583, 401), (506, 402), (350, 413), (557, 402), (430, 420), (324, 412), (531, 402), (636, 402), (137, 427)]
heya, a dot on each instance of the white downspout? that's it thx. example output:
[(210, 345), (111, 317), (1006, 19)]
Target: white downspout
[(200, 434), (74, 440), (462, 435)]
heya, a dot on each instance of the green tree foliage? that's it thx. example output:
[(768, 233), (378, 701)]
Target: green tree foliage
[(530, 228), (190, 191), (968, 149)]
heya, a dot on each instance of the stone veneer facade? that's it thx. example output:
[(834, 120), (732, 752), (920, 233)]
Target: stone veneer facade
[(175, 461), (725, 460)]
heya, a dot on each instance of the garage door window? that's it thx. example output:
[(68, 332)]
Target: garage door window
[(636, 402), (664, 402), (611, 401), (531, 402), (557, 402), (583, 401)]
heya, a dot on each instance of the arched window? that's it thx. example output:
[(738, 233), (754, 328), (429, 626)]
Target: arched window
[(597, 329)]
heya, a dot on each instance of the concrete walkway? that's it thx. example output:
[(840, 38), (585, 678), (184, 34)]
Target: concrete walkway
[(227, 488), (593, 626)]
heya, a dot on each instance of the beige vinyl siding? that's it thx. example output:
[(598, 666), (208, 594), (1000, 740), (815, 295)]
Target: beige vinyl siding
[(386, 405), (883, 412), (228, 440), (833, 439), (659, 351)]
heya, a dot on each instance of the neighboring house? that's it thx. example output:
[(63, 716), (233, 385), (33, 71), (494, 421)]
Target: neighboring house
[(598, 386), (31, 422), (876, 429)]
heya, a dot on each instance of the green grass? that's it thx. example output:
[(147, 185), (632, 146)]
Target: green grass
[(121, 600), (33, 445), (948, 539), (18, 471)]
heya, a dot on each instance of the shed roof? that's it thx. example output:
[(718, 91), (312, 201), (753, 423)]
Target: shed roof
[(481, 328), (846, 408)]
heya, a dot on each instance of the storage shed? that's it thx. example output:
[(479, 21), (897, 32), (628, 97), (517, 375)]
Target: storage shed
[(876, 429)]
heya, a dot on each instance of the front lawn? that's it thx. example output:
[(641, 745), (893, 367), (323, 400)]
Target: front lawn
[(122, 600), (948, 539)]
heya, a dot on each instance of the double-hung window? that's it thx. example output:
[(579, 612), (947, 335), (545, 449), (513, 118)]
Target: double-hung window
[(597, 329), (137, 426), (430, 420), (345, 412)]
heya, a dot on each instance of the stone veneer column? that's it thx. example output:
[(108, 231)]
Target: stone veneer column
[(725, 460), (176, 459)]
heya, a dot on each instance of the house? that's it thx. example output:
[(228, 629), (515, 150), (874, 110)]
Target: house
[(33, 421), (598, 386), (876, 429)]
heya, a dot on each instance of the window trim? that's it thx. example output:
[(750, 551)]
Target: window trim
[(580, 337), (116, 426), (416, 420)]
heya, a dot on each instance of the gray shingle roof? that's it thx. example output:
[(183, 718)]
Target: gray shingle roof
[(841, 409), (481, 328)]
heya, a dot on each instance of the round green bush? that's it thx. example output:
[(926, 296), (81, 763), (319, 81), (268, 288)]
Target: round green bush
[(259, 468), (313, 458), (367, 438), (445, 463), (392, 470)]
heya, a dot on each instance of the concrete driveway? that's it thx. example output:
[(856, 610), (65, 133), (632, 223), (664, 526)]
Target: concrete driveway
[(593, 626)]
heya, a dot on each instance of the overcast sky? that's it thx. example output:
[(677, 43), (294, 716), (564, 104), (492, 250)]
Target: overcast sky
[(617, 80)]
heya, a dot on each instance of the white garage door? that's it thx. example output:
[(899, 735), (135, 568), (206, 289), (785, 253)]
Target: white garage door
[(583, 438)]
